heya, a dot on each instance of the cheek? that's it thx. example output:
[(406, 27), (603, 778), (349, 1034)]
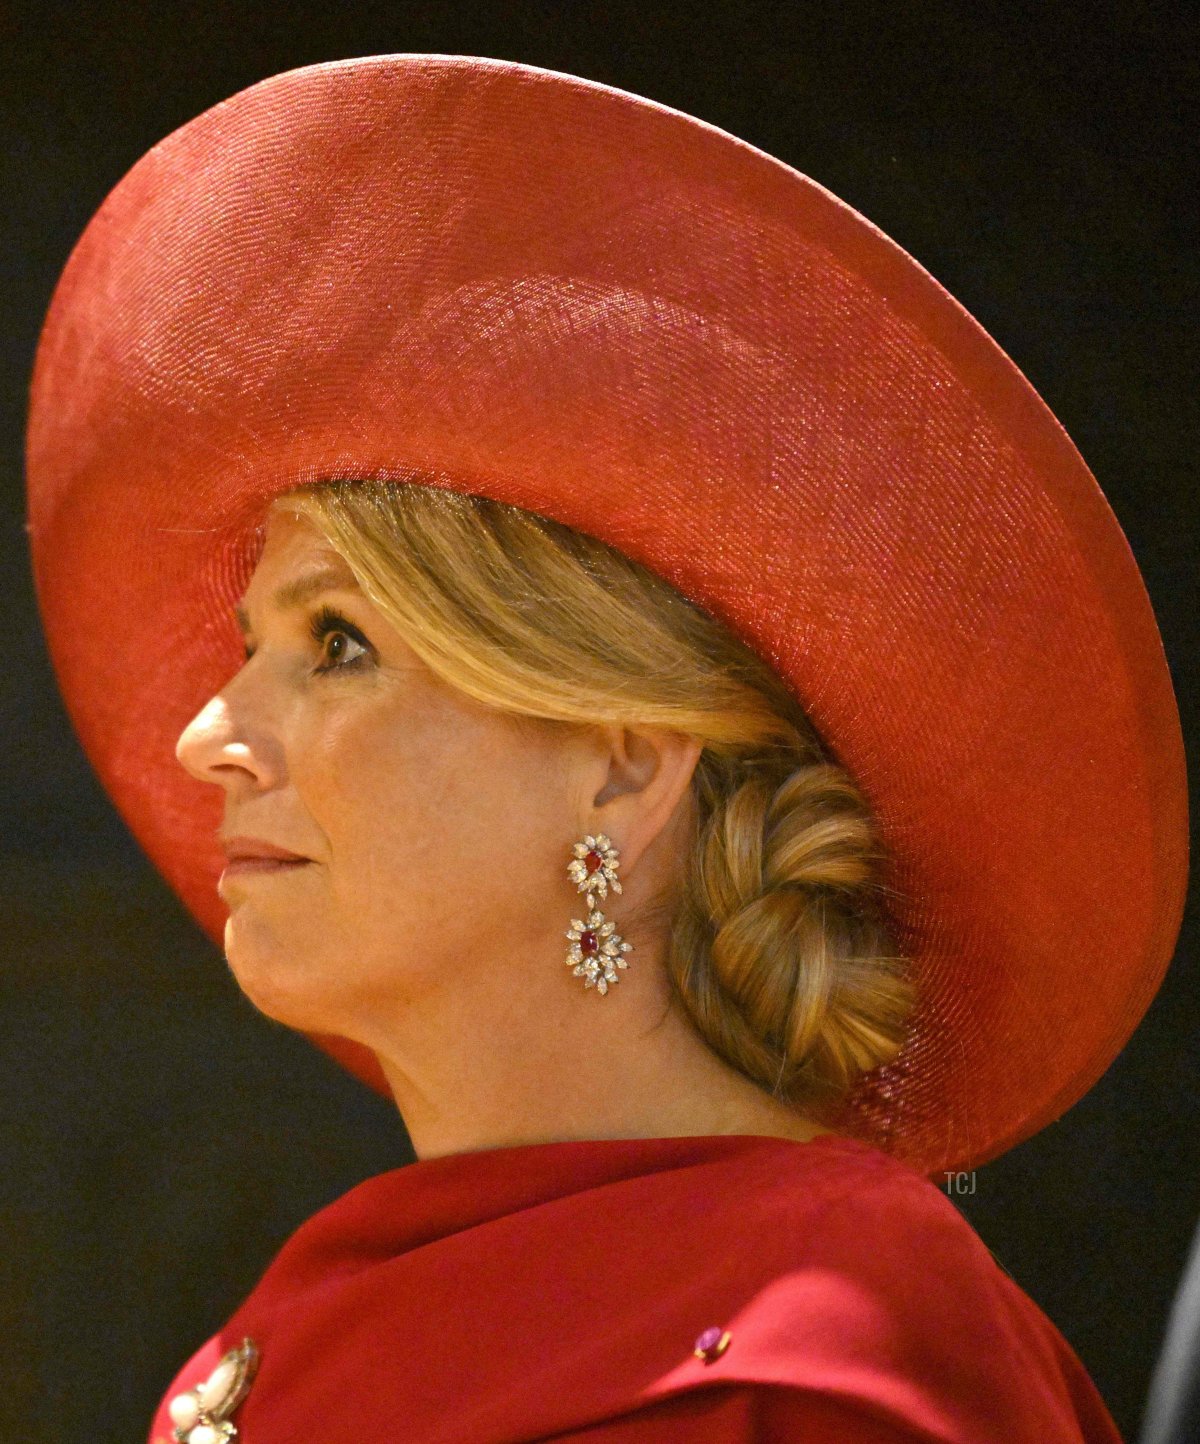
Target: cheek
[(434, 819)]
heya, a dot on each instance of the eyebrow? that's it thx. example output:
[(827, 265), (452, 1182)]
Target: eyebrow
[(302, 589)]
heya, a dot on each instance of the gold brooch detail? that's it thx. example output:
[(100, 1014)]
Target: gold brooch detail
[(201, 1415)]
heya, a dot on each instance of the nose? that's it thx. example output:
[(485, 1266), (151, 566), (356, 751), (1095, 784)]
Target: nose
[(219, 746)]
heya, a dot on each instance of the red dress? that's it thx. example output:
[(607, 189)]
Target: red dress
[(558, 1290)]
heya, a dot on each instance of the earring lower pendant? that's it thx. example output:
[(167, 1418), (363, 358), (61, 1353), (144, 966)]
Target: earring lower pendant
[(595, 954)]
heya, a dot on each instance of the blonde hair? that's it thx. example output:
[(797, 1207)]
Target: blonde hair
[(778, 946)]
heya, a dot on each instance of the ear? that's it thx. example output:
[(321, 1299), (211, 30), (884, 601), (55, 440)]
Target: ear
[(639, 784)]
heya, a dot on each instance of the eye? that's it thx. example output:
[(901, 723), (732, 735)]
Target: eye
[(327, 623)]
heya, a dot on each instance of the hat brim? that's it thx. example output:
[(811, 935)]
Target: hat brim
[(530, 286)]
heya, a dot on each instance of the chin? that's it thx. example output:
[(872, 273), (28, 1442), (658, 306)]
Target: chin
[(276, 980)]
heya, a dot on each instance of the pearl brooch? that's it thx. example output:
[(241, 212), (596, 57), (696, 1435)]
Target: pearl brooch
[(200, 1415)]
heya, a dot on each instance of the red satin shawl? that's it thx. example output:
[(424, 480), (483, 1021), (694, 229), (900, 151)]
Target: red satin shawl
[(558, 1290)]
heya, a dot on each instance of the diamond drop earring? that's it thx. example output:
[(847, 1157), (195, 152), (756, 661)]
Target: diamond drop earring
[(596, 947)]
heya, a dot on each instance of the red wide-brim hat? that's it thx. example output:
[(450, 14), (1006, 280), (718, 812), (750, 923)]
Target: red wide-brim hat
[(521, 284)]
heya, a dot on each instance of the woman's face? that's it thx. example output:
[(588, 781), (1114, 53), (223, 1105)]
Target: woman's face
[(438, 832)]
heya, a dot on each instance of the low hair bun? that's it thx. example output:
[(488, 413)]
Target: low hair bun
[(780, 953)]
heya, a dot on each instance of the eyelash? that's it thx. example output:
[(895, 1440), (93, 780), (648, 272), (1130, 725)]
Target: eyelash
[(324, 623)]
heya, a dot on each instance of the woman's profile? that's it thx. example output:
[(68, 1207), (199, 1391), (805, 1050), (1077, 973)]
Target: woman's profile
[(621, 659)]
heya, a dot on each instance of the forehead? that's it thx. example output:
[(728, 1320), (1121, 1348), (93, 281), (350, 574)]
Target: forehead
[(296, 563), (284, 526), (293, 542)]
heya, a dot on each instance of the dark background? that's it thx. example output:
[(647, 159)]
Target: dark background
[(160, 1139)]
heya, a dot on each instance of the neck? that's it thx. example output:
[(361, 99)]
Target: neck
[(628, 1065)]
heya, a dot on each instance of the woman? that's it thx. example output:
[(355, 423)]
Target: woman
[(671, 707)]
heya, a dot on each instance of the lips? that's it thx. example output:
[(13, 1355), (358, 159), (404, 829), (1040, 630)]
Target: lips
[(254, 856), (238, 848), (239, 865)]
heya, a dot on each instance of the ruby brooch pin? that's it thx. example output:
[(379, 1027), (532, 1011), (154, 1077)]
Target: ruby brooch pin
[(596, 947)]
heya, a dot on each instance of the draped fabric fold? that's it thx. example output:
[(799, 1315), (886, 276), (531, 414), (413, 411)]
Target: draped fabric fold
[(559, 1290)]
